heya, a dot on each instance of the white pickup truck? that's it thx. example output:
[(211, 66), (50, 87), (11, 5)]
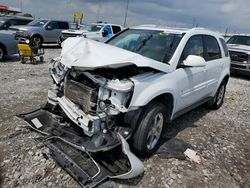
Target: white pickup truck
[(128, 88), (95, 31)]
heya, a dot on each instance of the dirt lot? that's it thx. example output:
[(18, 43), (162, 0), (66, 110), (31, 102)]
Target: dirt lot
[(220, 137)]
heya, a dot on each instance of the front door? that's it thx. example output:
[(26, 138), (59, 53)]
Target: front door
[(52, 32), (191, 81)]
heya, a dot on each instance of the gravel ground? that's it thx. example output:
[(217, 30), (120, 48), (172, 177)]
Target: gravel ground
[(220, 137)]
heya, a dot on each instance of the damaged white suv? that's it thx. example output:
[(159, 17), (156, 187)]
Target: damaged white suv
[(128, 88)]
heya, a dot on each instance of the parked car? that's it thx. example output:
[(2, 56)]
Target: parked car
[(130, 87), (41, 30), (239, 49), (8, 44), (8, 21), (96, 31)]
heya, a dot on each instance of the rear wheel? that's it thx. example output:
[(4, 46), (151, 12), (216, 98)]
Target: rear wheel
[(217, 101), (150, 128)]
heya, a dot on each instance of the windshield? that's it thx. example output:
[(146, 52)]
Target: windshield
[(243, 40), (38, 23), (92, 28), (157, 45)]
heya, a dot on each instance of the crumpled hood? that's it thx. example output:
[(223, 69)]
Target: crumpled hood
[(238, 47), (88, 54)]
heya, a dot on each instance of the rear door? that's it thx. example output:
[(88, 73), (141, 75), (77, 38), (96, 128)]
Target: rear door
[(191, 81), (214, 63)]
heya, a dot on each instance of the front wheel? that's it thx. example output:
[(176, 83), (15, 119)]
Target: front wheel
[(1, 53), (217, 101), (150, 128), (36, 41)]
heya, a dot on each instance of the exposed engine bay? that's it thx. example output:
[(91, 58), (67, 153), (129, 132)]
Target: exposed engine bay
[(87, 114)]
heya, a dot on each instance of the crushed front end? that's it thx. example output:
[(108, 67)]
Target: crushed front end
[(84, 123)]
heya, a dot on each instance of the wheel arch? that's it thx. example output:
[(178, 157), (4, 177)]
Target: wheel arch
[(226, 78), (38, 35), (4, 48), (168, 100)]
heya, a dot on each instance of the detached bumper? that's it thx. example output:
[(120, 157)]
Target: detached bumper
[(85, 158)]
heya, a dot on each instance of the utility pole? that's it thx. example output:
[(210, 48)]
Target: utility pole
[(21, 5), (98, 13), (126, 14)]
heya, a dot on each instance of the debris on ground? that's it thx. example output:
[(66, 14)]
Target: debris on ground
[(192, 155)]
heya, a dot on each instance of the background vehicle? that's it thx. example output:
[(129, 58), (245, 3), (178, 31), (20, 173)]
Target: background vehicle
[(8, 44), (8, 21), (96, 31), (41, 30), (239, 48)]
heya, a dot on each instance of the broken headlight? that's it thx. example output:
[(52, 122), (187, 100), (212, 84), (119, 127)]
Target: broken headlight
[(57, 70)]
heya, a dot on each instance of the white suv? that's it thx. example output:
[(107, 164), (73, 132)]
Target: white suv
[(131, 88)]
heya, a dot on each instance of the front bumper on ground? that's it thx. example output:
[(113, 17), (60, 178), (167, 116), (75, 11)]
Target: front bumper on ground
[(77, 153)]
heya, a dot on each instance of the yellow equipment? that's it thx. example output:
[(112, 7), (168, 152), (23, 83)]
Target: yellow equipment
[(26, 51)]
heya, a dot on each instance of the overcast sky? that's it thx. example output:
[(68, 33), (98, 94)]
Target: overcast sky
[(214, 14)]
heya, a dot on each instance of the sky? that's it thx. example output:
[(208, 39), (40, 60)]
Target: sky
[(217, 15)]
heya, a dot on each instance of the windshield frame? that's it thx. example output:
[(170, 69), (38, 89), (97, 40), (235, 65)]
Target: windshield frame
[(172, 49)]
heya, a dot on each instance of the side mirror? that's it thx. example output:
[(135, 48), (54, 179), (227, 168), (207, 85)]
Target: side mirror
[(194, 61), (104, 33), (49, 27)]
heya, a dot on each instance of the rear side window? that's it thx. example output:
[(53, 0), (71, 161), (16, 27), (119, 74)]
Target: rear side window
[(194, 46), (63, 25), (212, 48), (116, 29), (223, 43)]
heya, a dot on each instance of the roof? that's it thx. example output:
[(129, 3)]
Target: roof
[(173, 29)]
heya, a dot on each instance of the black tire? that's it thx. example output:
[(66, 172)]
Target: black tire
[(141, 139), (217, 101), (2, 53), (36, 41)]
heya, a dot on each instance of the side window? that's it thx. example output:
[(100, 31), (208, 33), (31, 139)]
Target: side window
[(116, 29), (212, 48), (54, 25), (223, 43), (194, 46), (63, 25)]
